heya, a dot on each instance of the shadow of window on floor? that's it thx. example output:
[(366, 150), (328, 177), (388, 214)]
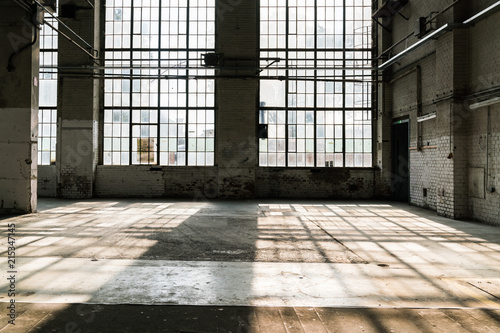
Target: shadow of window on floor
[(224, 266)]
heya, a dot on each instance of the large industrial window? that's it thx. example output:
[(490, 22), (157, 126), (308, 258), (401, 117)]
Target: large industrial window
[(159, 100), (47, 114), (316, 89)]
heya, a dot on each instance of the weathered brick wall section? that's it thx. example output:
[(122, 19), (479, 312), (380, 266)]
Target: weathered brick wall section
[(47, 181), (236, 138), (484, 131), (423, 176), (201, 183), (458, 65), (484, 58), (487, 153), (315, 183), (423, 163), (405, 82), (445, 203), (451, 68), (124, 181)]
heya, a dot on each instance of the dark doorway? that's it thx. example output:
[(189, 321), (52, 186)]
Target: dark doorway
[(400, 161)]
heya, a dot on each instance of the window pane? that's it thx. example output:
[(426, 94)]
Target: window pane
[(155, 79), (48, 92), (325, 89)]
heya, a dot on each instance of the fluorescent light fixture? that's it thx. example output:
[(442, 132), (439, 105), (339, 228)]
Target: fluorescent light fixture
[(425, 117), (435, 34), (487, 102), (479, 16)]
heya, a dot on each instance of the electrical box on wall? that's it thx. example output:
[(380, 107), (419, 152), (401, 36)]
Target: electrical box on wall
[(262, 131), (420, 27), (212, 59)]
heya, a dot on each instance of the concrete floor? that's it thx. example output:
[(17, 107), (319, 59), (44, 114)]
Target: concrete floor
[(250, 266)]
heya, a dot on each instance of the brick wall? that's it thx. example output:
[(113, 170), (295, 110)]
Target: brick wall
[(200, 183), (484, 152), (423, 176), (329, 183), (47, 181), (456, 70), (484, 130)]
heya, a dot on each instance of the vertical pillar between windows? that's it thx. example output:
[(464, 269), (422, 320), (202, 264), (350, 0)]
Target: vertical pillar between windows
[(18, 109), (78, 107), (237, 95)]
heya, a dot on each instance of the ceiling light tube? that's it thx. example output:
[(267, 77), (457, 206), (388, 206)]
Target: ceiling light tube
[(487, 102), (479, 16), (425, 117), (435, 34)]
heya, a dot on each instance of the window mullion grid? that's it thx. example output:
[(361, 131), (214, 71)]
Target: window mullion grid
[(188, 63), (374, 86), (131, 73), (158, 127), (315, 80), (287, 32), (343, 86)]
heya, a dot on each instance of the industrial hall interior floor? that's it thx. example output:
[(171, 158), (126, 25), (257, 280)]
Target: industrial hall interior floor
[(131, 265)]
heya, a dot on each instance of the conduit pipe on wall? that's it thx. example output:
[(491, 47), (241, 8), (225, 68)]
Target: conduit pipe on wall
[(419, 108), (34, 29), (489, 186), (488, 135)]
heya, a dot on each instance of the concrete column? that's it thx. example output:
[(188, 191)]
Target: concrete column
[(78, 103), (237, 98), (451, 82), (383, 126), (18, 109)]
